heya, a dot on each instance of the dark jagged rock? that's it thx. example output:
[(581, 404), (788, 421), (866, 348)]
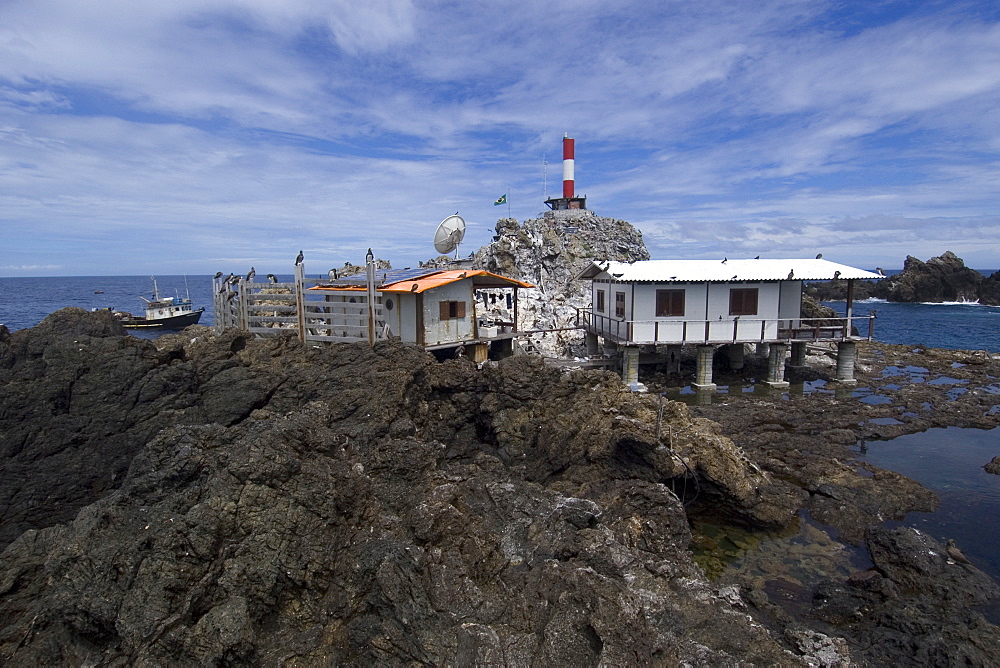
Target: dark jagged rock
[(351, 504), (369, 505), (813, 309), (993, 466), (944, 278), (989, 290), (836, 290), (941, 279), (936, 627)]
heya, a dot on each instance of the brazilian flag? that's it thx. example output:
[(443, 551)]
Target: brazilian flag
[(501, 200)]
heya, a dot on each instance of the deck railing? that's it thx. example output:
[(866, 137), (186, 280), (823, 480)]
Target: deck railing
[(737, 330)]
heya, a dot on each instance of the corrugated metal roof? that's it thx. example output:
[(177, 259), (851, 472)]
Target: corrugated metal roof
[(481, 278), (726, 271), (403, 280)]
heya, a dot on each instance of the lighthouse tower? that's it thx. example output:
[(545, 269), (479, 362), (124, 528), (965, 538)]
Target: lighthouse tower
[(569, 200)]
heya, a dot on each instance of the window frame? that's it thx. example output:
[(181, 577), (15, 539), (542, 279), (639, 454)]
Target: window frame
[(744, 301), (451, 310), (600, 301), (670, 303), (619, 304)]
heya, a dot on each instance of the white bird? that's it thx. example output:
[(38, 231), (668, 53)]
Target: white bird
[(272, 278)]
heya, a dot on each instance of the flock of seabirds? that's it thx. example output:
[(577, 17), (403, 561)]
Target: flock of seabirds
[(233, 279)]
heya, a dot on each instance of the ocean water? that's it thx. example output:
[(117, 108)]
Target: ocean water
[(950, 462), (953, 325), (24, 302)]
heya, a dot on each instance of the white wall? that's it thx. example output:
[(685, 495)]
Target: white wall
[(704, 302), (438, 331), (401, 317), (790, 306)]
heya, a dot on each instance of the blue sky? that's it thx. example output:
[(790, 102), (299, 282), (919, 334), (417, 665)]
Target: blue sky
[(196, 136)]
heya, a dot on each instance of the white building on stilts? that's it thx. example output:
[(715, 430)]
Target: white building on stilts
[(655, 307)]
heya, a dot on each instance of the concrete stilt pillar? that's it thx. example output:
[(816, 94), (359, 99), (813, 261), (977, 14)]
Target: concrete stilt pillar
[(703, 370), (846, 352), (736, 355), (776, 366), (798, 354), (592, 347), (763, 349), (630, 366)]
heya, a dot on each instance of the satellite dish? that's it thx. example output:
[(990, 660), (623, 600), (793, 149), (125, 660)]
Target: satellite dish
[(449, 234)]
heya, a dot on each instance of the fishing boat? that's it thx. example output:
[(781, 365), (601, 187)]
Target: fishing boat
[(162, 313)]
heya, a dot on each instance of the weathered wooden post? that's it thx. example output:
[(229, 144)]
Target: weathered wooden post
[(370, 269), (300, 306)]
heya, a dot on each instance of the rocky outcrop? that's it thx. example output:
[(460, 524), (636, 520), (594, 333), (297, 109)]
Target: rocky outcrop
[(208, 499), (836, 290), (940, 627), (549, 252), (941, 279), (944, 278), (989, 290), (356, 504)]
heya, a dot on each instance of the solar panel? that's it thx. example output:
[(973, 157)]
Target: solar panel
[(384, 276)]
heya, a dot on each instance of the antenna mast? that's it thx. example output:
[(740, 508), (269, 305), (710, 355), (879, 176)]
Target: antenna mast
[(545, 177)]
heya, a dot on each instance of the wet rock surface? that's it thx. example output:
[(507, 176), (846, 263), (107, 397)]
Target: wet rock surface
[(219, 499), (912, 603)]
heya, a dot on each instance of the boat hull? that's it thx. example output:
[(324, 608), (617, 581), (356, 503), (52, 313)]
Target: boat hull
[(172, 322)]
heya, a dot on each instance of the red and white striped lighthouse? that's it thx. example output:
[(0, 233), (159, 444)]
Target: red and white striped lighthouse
[(569, 200), (569, 185)]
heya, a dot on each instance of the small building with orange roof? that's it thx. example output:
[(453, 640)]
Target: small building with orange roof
[(466, 310)]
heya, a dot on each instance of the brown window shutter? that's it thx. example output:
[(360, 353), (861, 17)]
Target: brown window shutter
[(444, 314), (459, 309)]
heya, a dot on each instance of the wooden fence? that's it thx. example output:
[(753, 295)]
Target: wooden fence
[(270, 309)]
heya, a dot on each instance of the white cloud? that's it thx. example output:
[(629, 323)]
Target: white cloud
[(710, 125)]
